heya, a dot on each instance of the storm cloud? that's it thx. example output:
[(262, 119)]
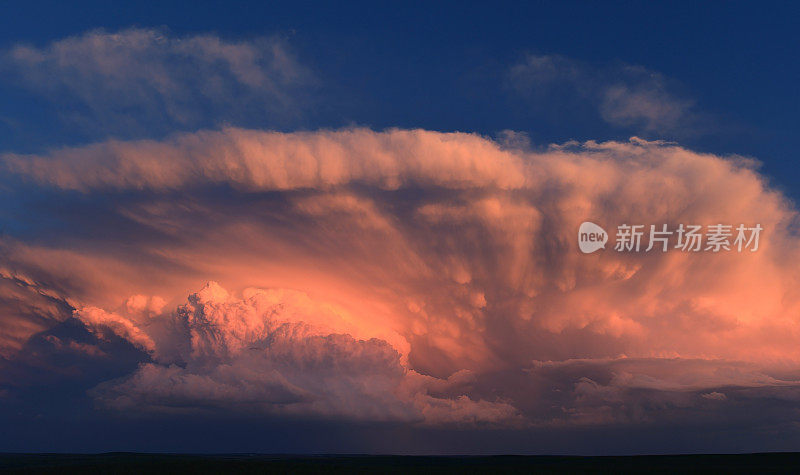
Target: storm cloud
[(411, 276)]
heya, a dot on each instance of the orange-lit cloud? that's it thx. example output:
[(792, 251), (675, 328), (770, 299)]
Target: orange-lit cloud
[(417, 276), (276, 352)]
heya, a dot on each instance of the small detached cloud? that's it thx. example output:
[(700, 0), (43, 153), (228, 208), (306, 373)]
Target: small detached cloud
[(715, 396), (625, 96), (148, 79)]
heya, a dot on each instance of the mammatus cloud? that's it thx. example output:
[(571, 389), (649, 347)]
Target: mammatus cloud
[(626, 96), (142, 79), (417, 276)]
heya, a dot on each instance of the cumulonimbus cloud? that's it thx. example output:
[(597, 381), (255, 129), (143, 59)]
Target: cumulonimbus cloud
[(436, 276), (264, 353)]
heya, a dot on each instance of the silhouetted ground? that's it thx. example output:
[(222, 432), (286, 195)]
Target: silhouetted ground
[(113, 463)]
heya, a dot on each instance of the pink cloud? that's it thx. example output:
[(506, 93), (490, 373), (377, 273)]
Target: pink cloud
[(260, 353), (406, 258)]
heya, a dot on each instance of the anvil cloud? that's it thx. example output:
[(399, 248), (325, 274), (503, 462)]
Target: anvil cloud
[(409, 276)]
